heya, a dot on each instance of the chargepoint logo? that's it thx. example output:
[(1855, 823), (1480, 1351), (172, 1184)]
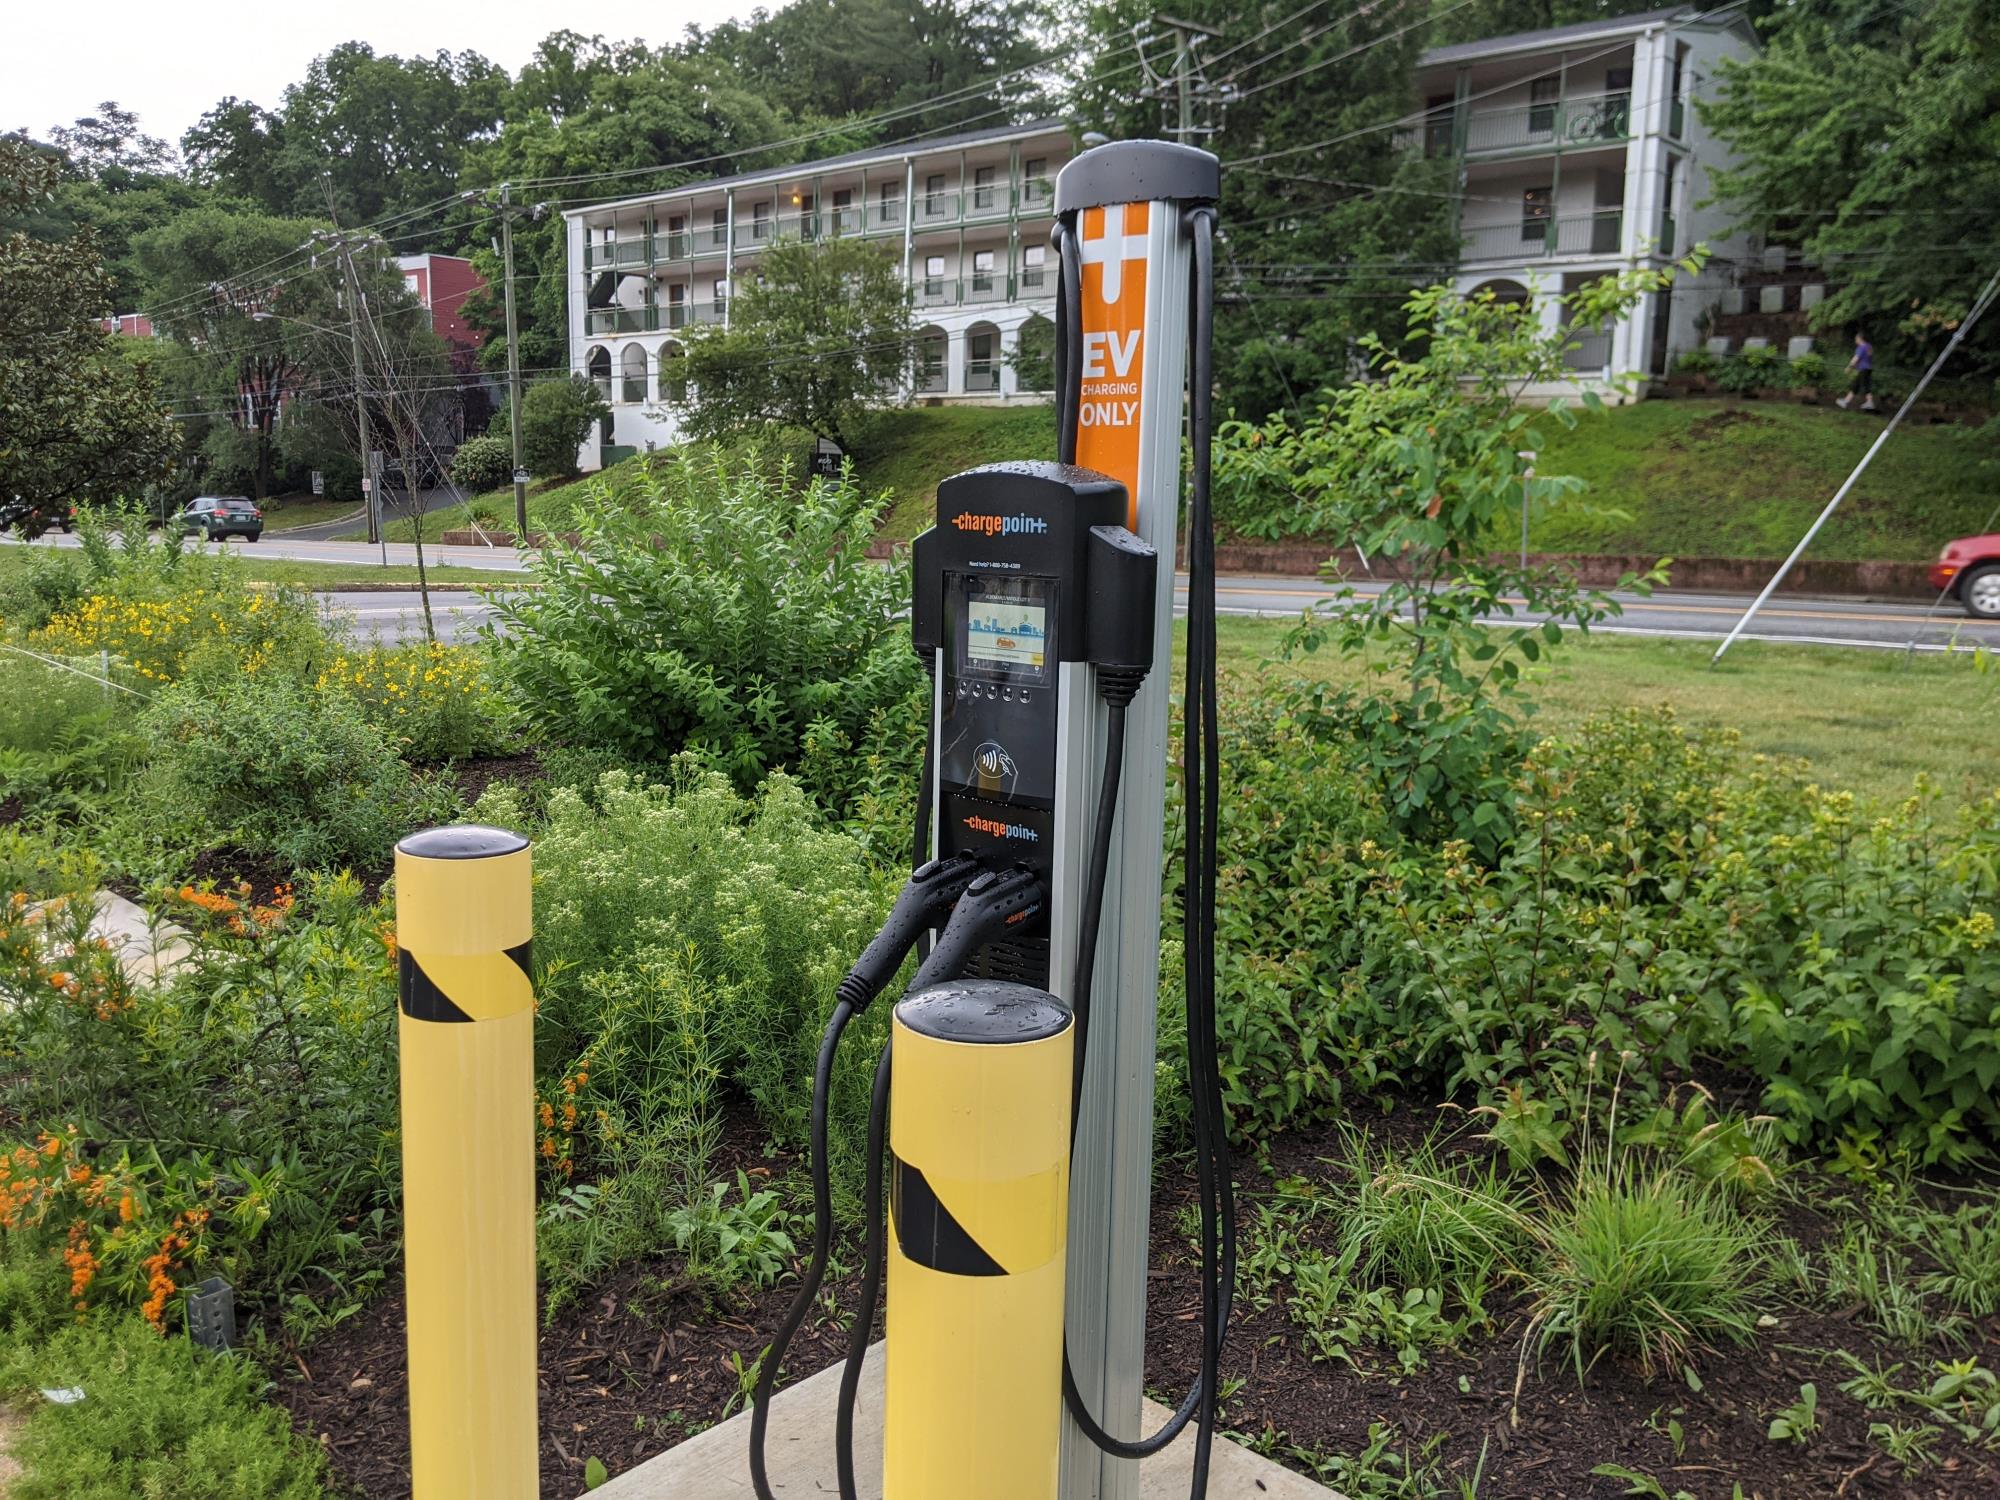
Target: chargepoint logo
[(994, 828), (965, 520)]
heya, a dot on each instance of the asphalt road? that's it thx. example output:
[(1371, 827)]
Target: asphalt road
[(1669, 614), (356, 522), (1810, 622)]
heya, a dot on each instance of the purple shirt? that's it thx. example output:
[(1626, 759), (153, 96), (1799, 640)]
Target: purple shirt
[(1864, 355)]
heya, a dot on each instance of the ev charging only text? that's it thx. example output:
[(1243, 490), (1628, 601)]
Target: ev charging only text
[(1107, 377)]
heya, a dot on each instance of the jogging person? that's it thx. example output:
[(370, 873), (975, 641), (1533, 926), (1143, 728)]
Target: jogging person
[(1862, 364)]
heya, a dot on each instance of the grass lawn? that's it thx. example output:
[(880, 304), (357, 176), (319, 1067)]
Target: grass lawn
[(1721, 478), (314, 575), (304, 510), (910, 450), (1869, 720)]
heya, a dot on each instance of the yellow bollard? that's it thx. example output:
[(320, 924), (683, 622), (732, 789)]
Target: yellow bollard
[(463, 926), (979, 1208)]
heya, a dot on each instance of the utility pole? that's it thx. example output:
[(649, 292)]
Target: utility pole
[(370, 492), (1182, 83), (507, 210)]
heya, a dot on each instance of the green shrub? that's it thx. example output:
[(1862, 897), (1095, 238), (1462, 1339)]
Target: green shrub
[(1643, 1263), (240, 1108), (67, 740), (557, 418), (159, 1417), (1695, 362), (275, 766), (1287, 910), (712, 609), (483, 463), (49, 582), (1809, 370), (687, 938)]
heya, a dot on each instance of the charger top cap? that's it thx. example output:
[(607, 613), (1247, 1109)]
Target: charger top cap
[(984, 1011), (1138, 172)]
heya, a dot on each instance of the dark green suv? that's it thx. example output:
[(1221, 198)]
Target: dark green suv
[(219, 516)]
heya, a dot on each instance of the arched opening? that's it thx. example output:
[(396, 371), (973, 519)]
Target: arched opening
[(597, 363), (1035, 355), (673, 374), (1501, 290), (933, 353), (632, 374), (982, 359)]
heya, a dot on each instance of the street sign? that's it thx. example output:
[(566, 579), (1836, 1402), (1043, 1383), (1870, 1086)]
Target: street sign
[(520, 476), (319, 482), (367, 486)]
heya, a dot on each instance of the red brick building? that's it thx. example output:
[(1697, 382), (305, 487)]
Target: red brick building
[(442, 283)]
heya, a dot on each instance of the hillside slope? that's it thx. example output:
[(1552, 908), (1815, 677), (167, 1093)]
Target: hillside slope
[(1718, 478)]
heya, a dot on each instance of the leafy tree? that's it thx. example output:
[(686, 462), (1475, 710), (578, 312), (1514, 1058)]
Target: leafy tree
[(80, 421), (557, 417), (1421, 466), (891, 55), (111, 140), (237, 295), (1869, 136), (821, 332), (389, 134)]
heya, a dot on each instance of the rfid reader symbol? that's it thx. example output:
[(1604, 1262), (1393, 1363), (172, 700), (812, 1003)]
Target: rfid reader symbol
[(995, 766)]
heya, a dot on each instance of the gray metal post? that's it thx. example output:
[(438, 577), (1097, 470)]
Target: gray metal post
[(513, 363)]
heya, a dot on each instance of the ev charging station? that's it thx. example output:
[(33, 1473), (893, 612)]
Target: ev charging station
[(1012, 1122)]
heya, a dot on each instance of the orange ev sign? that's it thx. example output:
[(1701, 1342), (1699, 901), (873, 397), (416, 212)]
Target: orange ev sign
[(1113, 252)]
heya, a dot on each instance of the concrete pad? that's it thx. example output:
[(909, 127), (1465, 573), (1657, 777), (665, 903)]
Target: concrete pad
[(799, 1453)]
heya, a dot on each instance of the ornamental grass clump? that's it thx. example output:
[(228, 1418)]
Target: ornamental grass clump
[(1640, 1261)]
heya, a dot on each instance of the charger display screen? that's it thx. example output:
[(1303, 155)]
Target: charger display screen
[(1006, 632)]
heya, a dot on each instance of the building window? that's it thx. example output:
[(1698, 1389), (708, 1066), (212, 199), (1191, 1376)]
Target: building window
[(934, 194), (721, 286), (933, 278), (1035, 182), (982, 187), (1034, 258), (760, 221), (1536, 204), (1542, 96), (843, 211), (982, 270), (1438, 109), (889, 209)]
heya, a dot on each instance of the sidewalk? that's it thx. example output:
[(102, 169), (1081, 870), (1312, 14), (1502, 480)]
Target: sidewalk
[(716, 1465)]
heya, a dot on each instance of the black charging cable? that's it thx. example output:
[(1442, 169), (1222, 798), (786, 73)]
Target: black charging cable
[(932, 890)]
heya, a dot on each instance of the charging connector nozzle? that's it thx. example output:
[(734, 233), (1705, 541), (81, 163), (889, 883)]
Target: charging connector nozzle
[(996, 905), (926, 899)]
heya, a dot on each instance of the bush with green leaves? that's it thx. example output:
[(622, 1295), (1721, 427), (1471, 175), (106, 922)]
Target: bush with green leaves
[(716, 609), (159, 1417), (557, 417), (1420, 468), (688, 939), (276, 766), (1809, 370), (483, 463), (1695, 362)]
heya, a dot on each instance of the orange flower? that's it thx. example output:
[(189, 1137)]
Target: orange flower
[(548, 1148), (548, 1113), (128, 1209)]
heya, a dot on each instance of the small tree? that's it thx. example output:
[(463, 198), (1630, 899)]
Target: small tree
[(822, 331), (1421, 466), (556, 418), (79, 419)]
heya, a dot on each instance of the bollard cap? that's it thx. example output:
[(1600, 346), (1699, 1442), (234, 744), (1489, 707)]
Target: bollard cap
[(462, 841), (984, 1011)]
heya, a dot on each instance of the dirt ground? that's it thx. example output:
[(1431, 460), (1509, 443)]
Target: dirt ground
[(651, 1359)]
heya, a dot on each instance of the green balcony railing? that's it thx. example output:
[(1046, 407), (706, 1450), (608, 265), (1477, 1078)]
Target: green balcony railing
[(1574, 234)]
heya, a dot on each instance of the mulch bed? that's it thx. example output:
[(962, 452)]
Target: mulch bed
[(647, 1360)]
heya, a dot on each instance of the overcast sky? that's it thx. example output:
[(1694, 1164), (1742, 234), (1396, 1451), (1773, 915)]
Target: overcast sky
[(171, 62)]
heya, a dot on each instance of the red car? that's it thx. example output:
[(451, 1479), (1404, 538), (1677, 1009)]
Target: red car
[(1969, 570)]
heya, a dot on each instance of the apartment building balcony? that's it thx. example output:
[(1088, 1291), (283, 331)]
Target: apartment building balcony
[(1577, 122), (972, 291), (982, 376), (1598, 233), (615, 320)]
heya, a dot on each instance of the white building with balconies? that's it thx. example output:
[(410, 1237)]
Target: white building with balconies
[(1580, 155), (966, 216)]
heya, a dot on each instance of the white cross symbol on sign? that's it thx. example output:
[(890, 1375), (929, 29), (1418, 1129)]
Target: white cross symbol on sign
[(1112, 249)]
